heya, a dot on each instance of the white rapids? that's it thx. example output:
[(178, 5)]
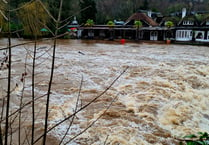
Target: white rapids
[(162, 96)]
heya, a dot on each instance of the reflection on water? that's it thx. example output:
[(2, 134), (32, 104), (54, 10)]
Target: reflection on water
[(163, 94)]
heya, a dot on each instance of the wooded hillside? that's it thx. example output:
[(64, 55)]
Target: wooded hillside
[(105, 10)]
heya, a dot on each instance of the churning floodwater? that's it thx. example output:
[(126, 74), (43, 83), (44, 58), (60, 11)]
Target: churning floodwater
[(163, 94)]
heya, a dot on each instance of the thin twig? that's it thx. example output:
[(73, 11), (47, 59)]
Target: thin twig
[(23, 106), (21, 7), (52, 74), (47, 11), (5, 17), (21, 102), (85, 106), (40, 40), (33, 92), (72, 16), (76, 107), (92, 122), (106, 139), (9, 81)]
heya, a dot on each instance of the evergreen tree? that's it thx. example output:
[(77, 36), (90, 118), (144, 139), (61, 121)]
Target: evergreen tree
[(90, 10), (2, 20), (145, 5), (15, 3)]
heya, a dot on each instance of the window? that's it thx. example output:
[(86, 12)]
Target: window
[(207, 22), (188, 22), (208, 35), (184, 35), (191, 33), (199, 34)]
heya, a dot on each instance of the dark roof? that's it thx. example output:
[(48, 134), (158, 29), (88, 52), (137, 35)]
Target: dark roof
[(206, 19), (190, 18), (173, 19), (143, 18)]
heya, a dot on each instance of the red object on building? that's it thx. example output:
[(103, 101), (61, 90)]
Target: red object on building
[(122, 41), (72, 29)]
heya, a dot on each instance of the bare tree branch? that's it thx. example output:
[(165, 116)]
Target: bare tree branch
[(9, 81), (85, 106), (92, 122), (21, 7), (51, 75), (30, 42), (76, 107), (47, 11)]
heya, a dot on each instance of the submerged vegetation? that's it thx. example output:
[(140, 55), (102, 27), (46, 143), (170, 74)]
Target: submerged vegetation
[(202, 138)]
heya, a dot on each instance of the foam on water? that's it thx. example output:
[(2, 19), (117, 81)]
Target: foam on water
[(163, 94)]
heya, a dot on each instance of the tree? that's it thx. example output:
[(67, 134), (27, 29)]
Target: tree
[(145, 5), (19, 116), (175, 8), (2, 16), (169, 24), (90, 23), (69, 8), (114, 10), (15, 3), (90, 10), (137, 24), (33, 17), (169, 33), (111, 24)]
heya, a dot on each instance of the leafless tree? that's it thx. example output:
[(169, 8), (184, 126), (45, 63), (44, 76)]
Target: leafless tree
[(13, 119)]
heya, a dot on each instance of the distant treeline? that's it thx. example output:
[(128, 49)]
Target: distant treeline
[(117, 9), (100, 11)]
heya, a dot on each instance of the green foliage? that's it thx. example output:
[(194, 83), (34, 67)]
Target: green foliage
[(33, 18), (202, 138), (89, 23), (137, 24), (15, 3), (114, 10), (145, 5), (169, 24), (89, 10), (175, 8), (110, 23), (2, 20), (69, 8), (13, 27), (201, 17)]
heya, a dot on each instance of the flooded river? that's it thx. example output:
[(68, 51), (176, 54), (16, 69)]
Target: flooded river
[(163, 94)]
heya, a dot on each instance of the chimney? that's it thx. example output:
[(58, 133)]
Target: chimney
[(149, 13), (184, 12)]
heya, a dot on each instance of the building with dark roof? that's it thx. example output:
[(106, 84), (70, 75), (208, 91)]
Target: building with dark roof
[(144, 18)]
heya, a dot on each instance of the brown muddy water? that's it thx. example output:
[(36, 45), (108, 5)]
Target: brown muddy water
[(162, 96)]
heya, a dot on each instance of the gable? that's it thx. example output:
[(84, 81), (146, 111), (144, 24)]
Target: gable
[(190, 20), (146, 21)]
